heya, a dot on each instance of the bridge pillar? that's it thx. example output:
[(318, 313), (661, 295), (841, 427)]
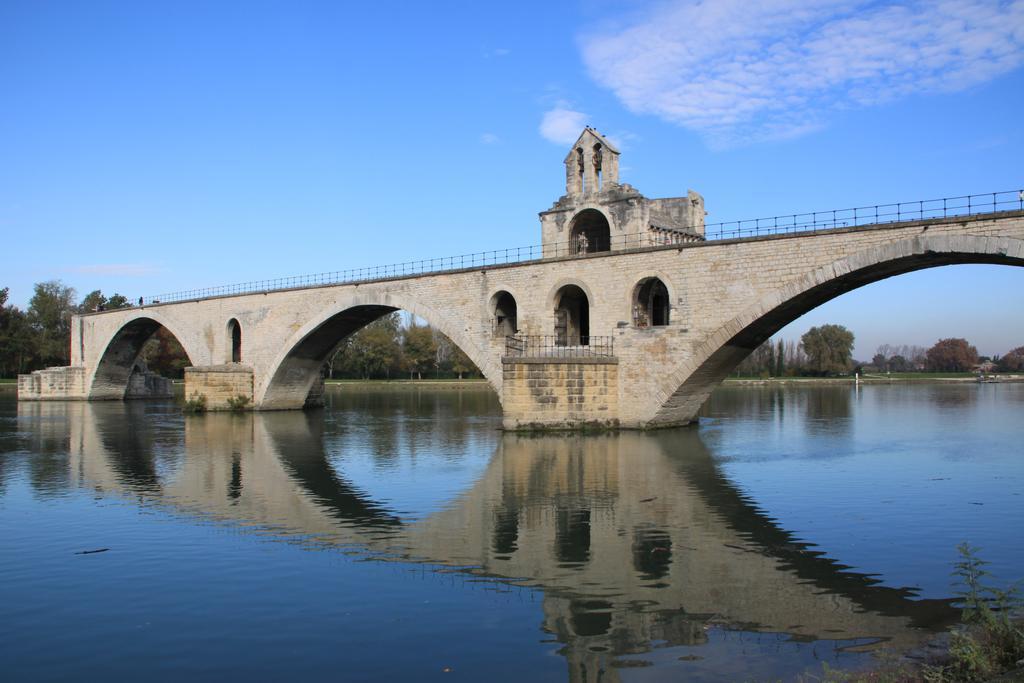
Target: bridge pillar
[(222, 387), (560, 393), (54, 384)]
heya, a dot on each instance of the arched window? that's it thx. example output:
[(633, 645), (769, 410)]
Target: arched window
[(572, 317), (504, 310), (589, 233), (650, 303), (235, 332), (580, 167)]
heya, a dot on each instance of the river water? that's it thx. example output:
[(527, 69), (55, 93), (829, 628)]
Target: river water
[(399, 535)]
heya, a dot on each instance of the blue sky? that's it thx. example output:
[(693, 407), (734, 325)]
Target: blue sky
[(151, 147)]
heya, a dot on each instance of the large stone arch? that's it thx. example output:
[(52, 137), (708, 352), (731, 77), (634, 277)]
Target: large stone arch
[(689, 386), (109, 379), (293, 371)]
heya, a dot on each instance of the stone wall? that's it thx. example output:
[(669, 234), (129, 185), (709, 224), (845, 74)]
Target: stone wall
[(560, 393), (219, 384), (146, 384)]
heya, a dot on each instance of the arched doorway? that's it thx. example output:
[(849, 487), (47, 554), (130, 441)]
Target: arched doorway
[(503, 307), (650, 303), (572, 317), (235, 332), (589, 233)]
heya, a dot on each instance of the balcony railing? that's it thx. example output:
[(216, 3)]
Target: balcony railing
[(558, 346)]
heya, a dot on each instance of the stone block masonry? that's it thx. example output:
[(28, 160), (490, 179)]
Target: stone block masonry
[(219, 384), (54, 384), (560, 393)]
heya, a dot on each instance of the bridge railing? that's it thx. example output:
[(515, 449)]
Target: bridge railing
[(966, 205), (946, 207), (556, 346)]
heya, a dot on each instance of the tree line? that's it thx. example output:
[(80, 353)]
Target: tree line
[(385, 349), (828, 350)]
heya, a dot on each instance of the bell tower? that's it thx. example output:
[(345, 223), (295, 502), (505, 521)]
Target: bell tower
[(591, 166), (598, 213)]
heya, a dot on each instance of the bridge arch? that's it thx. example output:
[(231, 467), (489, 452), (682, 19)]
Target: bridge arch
[(292, 373), (689, 386), (122, 349)]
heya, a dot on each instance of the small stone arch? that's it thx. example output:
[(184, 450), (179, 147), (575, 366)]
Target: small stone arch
[(589, 232), (504, 313), (234, 330), (651, 303)]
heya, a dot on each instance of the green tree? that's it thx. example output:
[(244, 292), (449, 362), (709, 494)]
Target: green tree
[(462, 365), (780, 360), (164, 355), (95, 301), (49, 315), (828, 349), (15, 339), (419, 351), (952, 355), (373, 351)]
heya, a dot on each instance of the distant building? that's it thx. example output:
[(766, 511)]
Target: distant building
[(597, 213)]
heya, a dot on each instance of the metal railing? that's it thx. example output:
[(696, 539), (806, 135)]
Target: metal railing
[(558, 346), (967, 205)]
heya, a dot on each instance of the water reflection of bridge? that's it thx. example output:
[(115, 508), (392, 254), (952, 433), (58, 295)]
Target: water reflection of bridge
[(634, 538)]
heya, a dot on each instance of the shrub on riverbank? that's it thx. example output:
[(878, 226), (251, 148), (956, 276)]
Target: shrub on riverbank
[(987, 646)]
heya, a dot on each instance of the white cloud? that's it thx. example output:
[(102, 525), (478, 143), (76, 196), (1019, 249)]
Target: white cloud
[(489, 138), (122, 269), (562, 125), (740, 71)]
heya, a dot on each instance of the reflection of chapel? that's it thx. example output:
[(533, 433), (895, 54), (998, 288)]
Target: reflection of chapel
[(597, 213)]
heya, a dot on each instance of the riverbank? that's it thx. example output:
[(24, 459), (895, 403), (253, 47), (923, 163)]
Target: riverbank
[(902, 378)]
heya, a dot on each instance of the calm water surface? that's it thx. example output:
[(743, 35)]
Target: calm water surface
[(398, 535)]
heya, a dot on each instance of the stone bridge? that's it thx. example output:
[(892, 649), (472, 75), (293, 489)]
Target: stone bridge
[(628, 317)]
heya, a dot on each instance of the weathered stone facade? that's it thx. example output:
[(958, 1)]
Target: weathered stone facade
[(681, 315), (54, 384), (567, 393), (223, 387), (597, 213)]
